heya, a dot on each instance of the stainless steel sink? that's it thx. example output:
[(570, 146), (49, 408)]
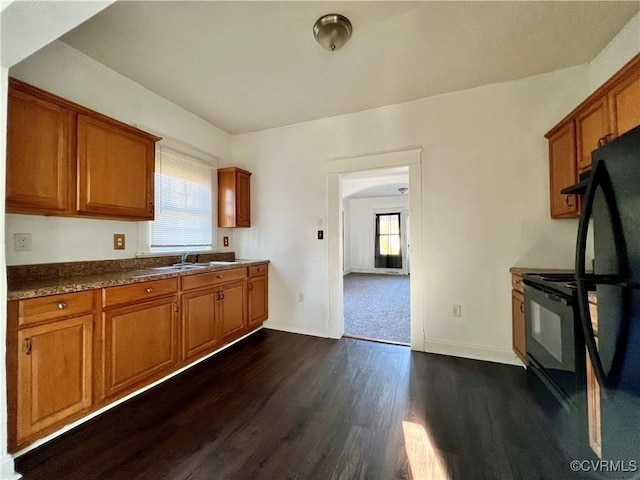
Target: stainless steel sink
[(178, 268), (216, 262)]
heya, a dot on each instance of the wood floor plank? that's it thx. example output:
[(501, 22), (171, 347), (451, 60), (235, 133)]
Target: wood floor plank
[(286, 406)]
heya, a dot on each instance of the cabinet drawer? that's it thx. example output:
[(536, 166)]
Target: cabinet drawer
[(53, 307), (138, 292), (213, 278), (258, 270), (516, 283)]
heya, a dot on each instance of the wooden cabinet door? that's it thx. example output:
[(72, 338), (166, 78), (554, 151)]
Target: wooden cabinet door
[(592, 124), (232, 310), (200, 330), (54, 373), (139, 345), (593, 394), (115, 171), (518, 328), (624, 103), (562, 172), (258, 300), (243, 196), (234, 198), (38, 170)]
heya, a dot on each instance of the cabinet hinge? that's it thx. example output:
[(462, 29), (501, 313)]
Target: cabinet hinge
[(27, 346), (176, 307)]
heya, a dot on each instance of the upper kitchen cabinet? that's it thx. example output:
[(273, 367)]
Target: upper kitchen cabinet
[(624, 101), (39, 172), (234, 198), (115, 170), (592, 125), (64, 159), (562, 171), (609, 112)]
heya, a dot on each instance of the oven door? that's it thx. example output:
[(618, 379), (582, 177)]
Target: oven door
[(552, 344)]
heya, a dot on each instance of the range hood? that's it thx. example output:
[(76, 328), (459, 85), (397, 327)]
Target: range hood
[(580, 187)]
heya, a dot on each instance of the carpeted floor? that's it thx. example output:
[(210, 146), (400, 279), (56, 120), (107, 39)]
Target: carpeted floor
[(377, 306)]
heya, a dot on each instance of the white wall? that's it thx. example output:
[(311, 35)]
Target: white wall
[(624, 46), (361, 228), (64, 71), (485, 200)]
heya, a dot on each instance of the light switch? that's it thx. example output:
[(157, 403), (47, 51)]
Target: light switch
[(320, 234)]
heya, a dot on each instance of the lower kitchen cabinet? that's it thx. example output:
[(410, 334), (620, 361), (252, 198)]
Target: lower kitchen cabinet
[(593, 394), (258, 295), (54, 374), (71, 354), (233, 310), (140, 344), (517, 318), (200, 329)]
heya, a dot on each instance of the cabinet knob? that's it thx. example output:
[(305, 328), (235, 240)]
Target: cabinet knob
[(149, 290), (219, 276), (62, 305), (516, 282), (260, 269)]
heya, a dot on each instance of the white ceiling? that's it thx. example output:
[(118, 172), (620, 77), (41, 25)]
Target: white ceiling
[(247, 66), (383, 182)]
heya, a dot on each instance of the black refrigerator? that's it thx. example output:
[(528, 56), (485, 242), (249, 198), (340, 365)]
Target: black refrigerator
[(611, 207)]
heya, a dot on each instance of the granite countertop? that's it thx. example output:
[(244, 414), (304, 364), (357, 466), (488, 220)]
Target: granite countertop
[(31, 288)]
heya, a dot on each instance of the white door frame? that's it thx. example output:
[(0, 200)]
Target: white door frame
[(336, 168)]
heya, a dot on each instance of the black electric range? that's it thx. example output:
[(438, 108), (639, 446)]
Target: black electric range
[(556, 354)]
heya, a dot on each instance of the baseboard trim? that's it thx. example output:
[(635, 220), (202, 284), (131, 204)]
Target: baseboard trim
[(284, 326), (7, 466), (473, 352), (378, 271)]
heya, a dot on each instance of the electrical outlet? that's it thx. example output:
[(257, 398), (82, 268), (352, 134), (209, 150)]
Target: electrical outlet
[(300, 297), (225, 241), (457, 311), (118, 241), (22, 242)]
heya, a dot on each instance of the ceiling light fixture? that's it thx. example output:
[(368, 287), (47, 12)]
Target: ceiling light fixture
[(403, 190), (332, 31)]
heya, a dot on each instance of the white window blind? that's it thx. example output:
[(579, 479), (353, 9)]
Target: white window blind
[(182, 201)]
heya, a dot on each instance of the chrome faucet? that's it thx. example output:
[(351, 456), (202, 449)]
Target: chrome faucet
[(185, 255)]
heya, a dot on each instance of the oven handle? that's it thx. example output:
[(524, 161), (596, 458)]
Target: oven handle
[(599, 171), (556, 298)]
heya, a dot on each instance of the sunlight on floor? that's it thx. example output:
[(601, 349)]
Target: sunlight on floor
[(424, 461)]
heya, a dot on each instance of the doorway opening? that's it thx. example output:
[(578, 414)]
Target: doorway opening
[(337, 170), (376, 281)]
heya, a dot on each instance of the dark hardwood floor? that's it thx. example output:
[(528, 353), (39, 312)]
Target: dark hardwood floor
[(286, 406)]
